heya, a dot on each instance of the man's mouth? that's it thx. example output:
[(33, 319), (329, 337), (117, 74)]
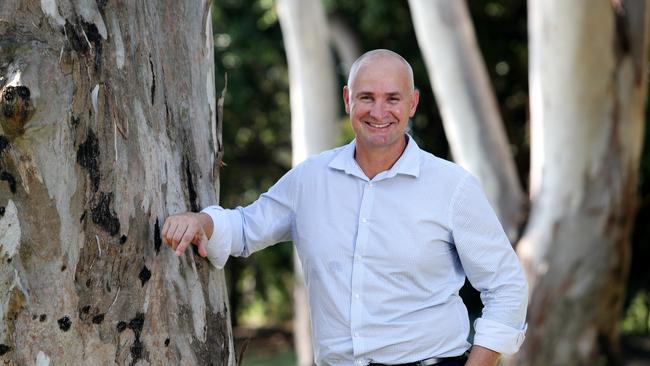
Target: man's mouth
[(379, 125)]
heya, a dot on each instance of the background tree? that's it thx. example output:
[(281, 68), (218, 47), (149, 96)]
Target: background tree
[(108, 125), (587, 128), (314, 116)]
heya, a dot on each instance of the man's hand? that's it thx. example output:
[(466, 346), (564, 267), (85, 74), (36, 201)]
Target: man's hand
[(182, 229), (481, 356)]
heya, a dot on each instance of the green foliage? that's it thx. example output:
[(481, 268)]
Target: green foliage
[(637, 316)]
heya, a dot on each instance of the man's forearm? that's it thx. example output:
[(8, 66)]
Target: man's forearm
[(481, 356)]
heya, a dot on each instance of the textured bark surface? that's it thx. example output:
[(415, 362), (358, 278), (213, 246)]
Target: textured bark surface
[(587, 115), (468, 105), (108, 124), (314, 115)]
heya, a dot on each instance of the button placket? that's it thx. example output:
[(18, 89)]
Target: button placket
[(358, 269)]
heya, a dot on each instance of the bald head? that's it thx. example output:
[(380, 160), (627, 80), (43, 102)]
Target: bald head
[(375, 55)]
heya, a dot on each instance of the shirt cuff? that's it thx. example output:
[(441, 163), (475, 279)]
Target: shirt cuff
[(220, 243), (498, 337)]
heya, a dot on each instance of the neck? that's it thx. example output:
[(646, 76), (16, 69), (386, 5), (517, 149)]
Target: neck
[(374, 161)]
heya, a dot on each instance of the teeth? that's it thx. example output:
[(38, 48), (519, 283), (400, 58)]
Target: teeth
[(382, 125)]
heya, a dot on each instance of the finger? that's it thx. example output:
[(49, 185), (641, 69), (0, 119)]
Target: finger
[(178, 235), (202, 243), (173, 232), (164, 230), (188, 235)]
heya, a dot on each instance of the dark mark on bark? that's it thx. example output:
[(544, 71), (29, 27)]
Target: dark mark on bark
[(98, 319), (42, 318), (153, 81), (92, 33), (136, 324), (6, 176), (17, 109), (34, 317), (157, 241), (103, 216), (190, 188), (8, 260), (88, 282), (74, 121), (145, 275), (167, 342), (123, 239), (82, 36), (137, 348), (88, 157), (136, 351), (4, 144), (622, 30), (85, 310), (77, 41), (121, 326), (101, 4), (64, 267), (83, 216), (4, 349), (64, 323), (2, 211)]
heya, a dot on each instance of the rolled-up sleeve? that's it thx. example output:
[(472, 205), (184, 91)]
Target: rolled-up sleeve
[(492, 267), (245, 230)]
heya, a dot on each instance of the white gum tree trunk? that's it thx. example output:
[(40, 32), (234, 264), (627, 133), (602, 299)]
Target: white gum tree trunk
[(107, 126), (588, 83), (467, 104), (314, 115)]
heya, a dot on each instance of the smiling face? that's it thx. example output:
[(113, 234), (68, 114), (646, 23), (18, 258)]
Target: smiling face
[(380, 99)]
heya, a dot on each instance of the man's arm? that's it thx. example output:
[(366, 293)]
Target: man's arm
[(492, 267), (481, 356)]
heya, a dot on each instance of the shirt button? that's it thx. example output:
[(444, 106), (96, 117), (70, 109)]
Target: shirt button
[(364, 220), (356, 334), (356, 295), (358, 256), (370, 184)]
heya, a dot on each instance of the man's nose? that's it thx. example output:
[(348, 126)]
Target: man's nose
[(378, 111)]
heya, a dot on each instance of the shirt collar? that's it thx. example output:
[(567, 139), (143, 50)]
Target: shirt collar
[(408, 163)]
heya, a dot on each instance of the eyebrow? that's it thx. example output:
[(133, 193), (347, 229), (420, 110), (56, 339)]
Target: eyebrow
[(390, 94)]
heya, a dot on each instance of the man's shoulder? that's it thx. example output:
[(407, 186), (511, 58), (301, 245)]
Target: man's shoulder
[(434, 166), (320, 160)]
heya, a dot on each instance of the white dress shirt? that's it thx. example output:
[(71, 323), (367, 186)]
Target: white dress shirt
[(384, 258)]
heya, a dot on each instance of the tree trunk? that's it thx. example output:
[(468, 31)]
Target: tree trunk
[(467, 103), (108, 125), (314, 114), (587, 117)]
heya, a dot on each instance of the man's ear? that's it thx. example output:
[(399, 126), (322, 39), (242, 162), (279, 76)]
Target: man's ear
[(415, 98), (346, 99)]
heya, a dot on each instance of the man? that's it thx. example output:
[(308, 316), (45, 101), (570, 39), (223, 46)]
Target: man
[(386, 234)]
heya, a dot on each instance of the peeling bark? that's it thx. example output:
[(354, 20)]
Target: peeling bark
[(587, 119), (110, 127)]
